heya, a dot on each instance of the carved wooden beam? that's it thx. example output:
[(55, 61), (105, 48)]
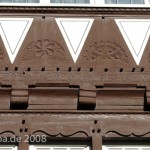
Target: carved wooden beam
[(74, 10)]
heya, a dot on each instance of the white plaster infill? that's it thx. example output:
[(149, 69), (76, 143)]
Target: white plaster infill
[(13, 32), (75, 32), (136, 33)]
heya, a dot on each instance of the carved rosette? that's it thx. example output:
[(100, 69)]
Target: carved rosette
[(44, 49), (99, 51)]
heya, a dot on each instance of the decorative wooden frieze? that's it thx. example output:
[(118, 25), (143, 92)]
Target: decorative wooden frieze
[(19, 99), (108, 50), (75, 76), (75, 10), (75, 125), (44, 50)]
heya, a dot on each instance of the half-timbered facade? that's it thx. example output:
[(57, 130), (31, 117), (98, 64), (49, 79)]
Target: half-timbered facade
[(75, 77)]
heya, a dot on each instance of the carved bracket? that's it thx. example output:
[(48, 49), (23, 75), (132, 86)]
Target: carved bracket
[(147, 100), (19, 98), (87, 97)]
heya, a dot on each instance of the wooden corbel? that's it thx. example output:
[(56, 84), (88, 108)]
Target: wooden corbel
[(147, 101), (87, 97), (19, 98)]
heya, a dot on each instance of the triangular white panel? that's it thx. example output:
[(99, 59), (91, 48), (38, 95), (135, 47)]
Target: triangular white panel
[(136, 33), (13, 32), (75, 32)]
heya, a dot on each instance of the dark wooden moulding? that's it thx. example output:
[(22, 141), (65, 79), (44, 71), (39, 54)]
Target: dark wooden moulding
[(102, 98)]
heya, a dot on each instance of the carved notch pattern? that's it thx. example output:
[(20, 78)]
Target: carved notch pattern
[(96, 127), (1, 54), (106, 51), (44, 49)]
